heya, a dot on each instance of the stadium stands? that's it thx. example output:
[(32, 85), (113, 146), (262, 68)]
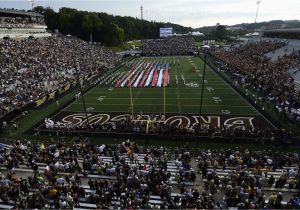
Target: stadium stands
[(296, 76), (83, 176), (285, 33), (32, 68), (248, 65), (169, 46), (19, 24), (253, 173)]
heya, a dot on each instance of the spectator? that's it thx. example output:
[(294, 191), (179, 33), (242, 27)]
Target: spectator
[(31, 68), (169, 46)]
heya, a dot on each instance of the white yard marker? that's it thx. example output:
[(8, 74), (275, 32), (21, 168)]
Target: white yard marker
[(210, 89), (90, 109), (192, 85), (101, 98), (217, 99), (226, 111)]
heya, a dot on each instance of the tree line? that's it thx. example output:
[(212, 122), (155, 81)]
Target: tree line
[(108, 29)]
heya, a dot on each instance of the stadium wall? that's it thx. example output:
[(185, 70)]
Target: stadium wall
[(179, 138), (23, 35)]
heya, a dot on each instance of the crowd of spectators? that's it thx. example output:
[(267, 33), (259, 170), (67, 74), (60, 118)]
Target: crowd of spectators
[(248, 64), (138, 180), (20, 22), (169, 46), (135, 180), (32, 68), (248, 174)]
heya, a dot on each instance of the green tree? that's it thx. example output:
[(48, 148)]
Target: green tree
[(39, 9), (221, 33), (113, 34), (91, 23), (65, 22), (107, 29), (50, 16)]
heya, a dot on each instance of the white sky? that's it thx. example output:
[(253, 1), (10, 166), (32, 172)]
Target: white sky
[(194, 13)]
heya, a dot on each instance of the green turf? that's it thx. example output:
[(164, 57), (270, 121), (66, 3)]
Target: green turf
[(179, 98), (35, 116)]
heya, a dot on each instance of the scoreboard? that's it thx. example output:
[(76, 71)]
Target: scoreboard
[(165, 32)]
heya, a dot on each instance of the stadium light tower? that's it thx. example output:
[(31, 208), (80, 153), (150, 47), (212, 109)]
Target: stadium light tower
[(206, 47), (77, 68), (142, 13), (32, 4), (258, 3)]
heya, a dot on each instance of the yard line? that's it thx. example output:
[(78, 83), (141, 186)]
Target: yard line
[(190, 92), (177, 94), (168, 98), (178, 101), (134, 99), (147, 104), (186, 113), (159, 95), (104, 90), (80, 98)]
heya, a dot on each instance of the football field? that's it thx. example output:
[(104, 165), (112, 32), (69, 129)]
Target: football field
[(181, 96), (118, 95)]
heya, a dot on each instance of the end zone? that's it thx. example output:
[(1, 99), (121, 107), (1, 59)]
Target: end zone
[(73, 119)]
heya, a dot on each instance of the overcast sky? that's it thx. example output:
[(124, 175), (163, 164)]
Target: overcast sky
[(194, 13)]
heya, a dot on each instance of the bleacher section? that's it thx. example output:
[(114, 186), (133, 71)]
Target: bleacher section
[(296, 75), (145, 163), (16, 24), (223, 174), (171, 167), (169, 46), (126, 176)]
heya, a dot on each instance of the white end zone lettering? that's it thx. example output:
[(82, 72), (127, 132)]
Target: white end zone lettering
[(239, 122)]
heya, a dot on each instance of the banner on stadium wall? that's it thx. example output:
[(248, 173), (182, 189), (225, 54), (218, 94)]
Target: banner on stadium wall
[(61, 90), (46, 98), (67, 87), (52, 95), (41, 101)]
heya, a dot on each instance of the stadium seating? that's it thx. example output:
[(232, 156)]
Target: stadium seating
[(248, 65), (125, 183), (169, 46), (19, 25), (51, 65)]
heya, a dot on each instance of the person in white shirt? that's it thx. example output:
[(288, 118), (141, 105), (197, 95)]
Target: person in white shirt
[(292, 173), (269, 161), (60, 180)]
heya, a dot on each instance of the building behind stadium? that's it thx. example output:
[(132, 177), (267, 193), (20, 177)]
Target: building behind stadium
[(17, 24)]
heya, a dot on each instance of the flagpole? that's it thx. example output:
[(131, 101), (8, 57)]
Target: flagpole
[(258, 3), (164, 101), (203, 80)]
